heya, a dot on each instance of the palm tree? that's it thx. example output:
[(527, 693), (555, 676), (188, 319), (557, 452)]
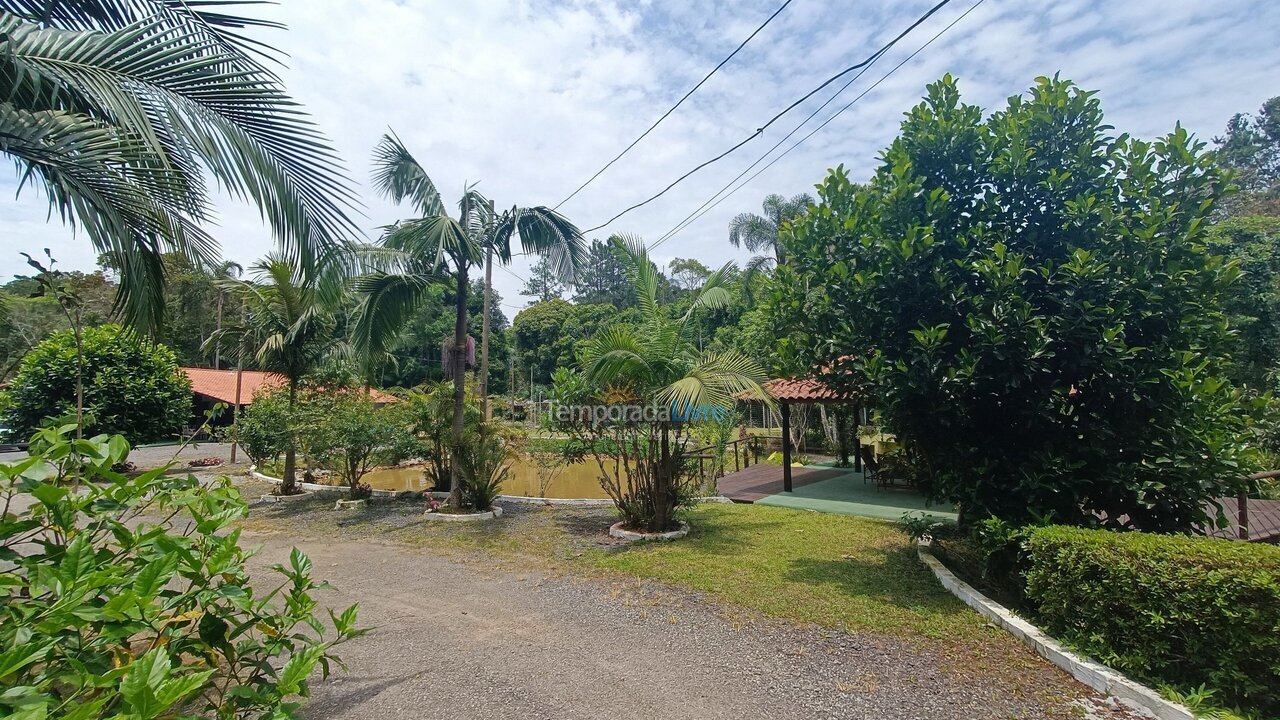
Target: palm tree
[(225, 270), (289, 322), (759, 233), (659, 359), (413, 254), (119, 108)]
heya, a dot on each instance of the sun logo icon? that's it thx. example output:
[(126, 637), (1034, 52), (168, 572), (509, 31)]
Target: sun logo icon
[(616, 395)]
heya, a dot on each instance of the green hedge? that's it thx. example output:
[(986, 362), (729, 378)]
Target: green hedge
[(1176, 610)]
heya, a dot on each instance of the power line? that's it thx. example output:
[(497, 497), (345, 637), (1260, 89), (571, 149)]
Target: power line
[(699, 212), (768, 152), (673, 107), (760, 130)]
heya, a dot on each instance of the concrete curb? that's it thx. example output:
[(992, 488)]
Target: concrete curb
[(616, 530), (494, 512), (1097, 676)]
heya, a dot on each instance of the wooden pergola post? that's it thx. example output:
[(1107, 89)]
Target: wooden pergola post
[(785, 408)]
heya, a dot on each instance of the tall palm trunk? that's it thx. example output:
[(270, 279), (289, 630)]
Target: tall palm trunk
[(662, 483), (484, 333), (459, 368), (289, 481)]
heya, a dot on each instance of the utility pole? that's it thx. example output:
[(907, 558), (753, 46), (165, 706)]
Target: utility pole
[(484, 325), (235, 417)]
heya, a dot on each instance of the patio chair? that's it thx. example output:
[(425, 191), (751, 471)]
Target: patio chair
[(884, 473)]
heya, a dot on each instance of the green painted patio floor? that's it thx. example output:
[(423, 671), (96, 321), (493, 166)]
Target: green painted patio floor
[(849, 495)]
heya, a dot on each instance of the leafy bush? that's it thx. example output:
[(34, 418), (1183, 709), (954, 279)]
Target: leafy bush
[(132, 387), (1167, 609), (264, 426), (346, 432), (1036, 309), (486, 463), (108, 613)]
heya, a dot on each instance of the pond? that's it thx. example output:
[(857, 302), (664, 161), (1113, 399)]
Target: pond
[(577, 480)]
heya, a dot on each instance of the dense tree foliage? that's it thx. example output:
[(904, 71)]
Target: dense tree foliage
[(543, 283), (132, 387), (1032, 305), (1251, 147), (603, 279), (546, 335)]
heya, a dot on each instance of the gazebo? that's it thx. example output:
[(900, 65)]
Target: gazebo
[(809, 391)]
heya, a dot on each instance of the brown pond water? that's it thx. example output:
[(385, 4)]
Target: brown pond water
[(578, 480)]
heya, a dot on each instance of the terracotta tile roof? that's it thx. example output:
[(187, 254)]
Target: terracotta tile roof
[(220, 385), (801, 390)]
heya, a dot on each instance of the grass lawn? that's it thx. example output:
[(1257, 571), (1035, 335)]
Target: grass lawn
[(827, 569), (835, 571)]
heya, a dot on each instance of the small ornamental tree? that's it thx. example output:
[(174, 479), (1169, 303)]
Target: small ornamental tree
[(1030, 302), (347, 433), (132, 387)]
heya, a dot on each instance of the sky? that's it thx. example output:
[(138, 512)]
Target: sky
[(529, 98)]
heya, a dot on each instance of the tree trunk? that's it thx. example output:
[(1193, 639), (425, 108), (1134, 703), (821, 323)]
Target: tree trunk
[(484, 334), (459, 368), (289, 481), (662, 483)]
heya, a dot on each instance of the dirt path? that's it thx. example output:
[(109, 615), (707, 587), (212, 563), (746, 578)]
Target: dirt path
[(468, 640)]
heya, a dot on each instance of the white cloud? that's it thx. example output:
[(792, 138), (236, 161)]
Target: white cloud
[(530, 97)]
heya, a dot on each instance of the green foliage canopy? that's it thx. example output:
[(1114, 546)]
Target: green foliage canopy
[(132, 387), (1031, 303)]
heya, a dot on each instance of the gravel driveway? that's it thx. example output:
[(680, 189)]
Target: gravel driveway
[(466, 639)]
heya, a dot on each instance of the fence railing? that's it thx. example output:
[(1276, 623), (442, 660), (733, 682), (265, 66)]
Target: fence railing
[(713, 461)]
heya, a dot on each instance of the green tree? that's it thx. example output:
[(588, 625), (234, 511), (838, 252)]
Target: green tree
[(546, 335), (1032, 305), (288, 328), (1251, 147), (1253, 303), (347, 433), (603, 277), (759, 233), (132, 387), (414, 252), (116, 110), (543, 283)]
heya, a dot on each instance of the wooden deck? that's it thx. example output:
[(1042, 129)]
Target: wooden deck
[(758, 481)]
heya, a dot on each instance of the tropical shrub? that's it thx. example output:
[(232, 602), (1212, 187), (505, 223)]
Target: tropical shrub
[(345, 432), (264, 427), (490, 447), (1031, 303), (132, 387), (109, 612), (1178, 610), (430, 414)]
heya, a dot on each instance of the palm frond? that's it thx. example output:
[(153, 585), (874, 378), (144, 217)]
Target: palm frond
[(715, 380), (753, 232), (545, 232), (716, 291), (434, 236), (386, 306), (398, 177), (182, 97)]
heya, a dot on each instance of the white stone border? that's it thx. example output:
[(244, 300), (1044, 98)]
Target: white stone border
[(1097, 676), (616, 530), (494, 512)]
